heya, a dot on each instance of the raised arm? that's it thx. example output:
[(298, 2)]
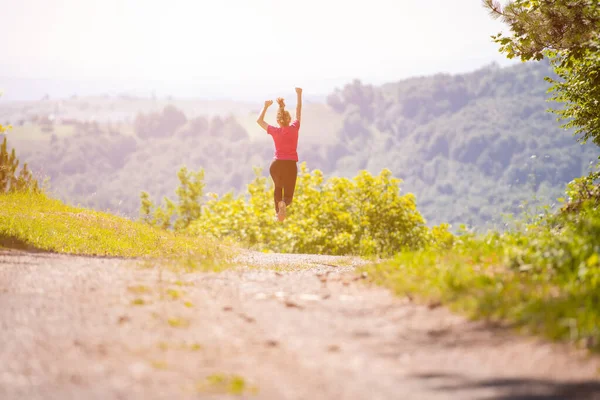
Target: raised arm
[(299, 104), (261, 117)]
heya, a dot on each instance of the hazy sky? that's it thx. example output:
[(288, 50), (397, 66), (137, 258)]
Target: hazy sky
[(245, 44)]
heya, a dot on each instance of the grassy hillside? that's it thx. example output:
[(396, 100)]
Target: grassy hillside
[(470, 146), (34, 221), (542, 278)]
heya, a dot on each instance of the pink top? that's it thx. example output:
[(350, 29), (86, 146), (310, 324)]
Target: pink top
[(286, 141)]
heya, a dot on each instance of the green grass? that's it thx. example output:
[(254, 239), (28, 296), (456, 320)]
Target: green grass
[(158, 364), (173, 294), (139, 289), (231, 384), (177, 322), (35, 221), (164, 346), (138, 302), (544, 280)]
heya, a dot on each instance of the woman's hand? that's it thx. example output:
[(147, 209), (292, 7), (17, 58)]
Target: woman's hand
[(299, 90), (261, 117)]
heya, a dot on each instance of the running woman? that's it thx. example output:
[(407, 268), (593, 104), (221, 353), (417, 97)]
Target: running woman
[(284, 168)]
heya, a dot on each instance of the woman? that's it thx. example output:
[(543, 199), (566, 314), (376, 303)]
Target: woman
[(284, 168)]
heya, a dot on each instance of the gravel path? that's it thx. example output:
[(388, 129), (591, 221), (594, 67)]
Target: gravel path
[(288, 326)]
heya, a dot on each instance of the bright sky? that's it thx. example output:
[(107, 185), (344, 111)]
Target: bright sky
[(245, 43)]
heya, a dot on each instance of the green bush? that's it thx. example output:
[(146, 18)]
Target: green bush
[(583, 191), (366, 215)]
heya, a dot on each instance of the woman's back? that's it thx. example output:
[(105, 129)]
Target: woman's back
[(286, 140)]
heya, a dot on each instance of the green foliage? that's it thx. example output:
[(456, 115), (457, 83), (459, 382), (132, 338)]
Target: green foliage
[(162, 124), (567, 32), (228, 384), (584, 191), (10, 181), (441, 237), (579, 90), (481, 141), (164, 215), (4, 128), (465, 140), (189, 196), (146, 208), (366, 215), (539, 25), (544, 278)]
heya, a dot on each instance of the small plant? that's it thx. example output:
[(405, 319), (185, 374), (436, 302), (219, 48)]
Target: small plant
[(195, 347), (582, 191), (10, 181), (181, 283), (164, 346), (139, 289), (231, 384), (173, 294), (188, 207), (4, 128), (177, 322), (138, 302), (159, 364)]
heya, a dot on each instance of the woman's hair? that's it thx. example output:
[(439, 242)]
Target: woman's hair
[(283, 117)]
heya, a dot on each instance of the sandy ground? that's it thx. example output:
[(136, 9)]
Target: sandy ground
[(288, 326)]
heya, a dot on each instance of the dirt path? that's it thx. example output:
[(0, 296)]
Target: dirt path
[(74, 328)]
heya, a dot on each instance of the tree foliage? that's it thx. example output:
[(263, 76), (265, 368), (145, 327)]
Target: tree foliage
[(176, 215), (10, 180), (582, 192), (567, 32), (162, 124)]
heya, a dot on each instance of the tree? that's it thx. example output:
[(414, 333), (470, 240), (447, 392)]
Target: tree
[(187, 209), (189, 194), (146, 208), (9, 180), (567, 32), (159, 124)]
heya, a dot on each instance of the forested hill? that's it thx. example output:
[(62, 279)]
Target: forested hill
[(470, 146)]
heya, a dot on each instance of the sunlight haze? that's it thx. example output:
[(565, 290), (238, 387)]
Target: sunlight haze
[(239, 47)]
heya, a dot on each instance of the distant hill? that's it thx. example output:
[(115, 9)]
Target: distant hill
[(470, 146), (34, 89)]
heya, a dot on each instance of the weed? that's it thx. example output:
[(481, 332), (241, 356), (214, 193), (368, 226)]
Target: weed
[(231, 384), (177, 322)]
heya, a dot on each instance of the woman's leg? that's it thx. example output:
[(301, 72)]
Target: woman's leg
[(276, 174), (289, 181)]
